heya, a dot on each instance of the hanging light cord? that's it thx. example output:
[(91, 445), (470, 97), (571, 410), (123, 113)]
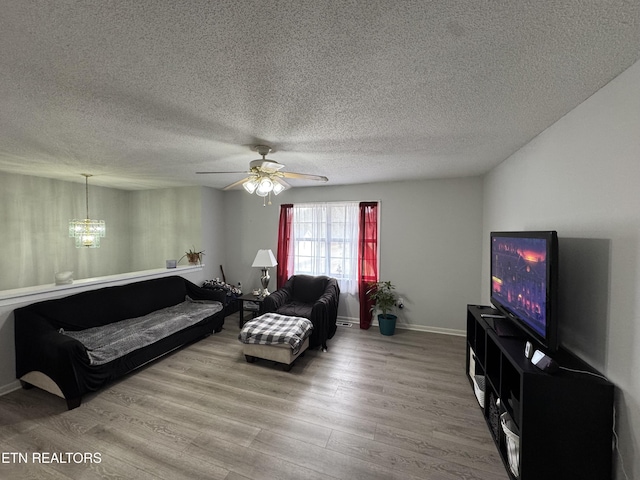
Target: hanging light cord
[(86, 191)]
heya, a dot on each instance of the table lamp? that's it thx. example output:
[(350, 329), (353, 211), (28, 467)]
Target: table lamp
[(264, 260)]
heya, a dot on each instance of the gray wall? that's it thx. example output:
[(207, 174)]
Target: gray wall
[(34, 238), (430, 239), (580, 177), (164, 224), (167, 222), (144, 228), (213, 231)]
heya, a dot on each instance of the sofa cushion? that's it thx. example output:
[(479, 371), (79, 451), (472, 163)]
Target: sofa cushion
[(307, 288), (112, 304), (296, 309)]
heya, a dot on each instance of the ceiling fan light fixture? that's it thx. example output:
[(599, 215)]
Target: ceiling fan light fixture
[(250, 185), (266, 177), (278, 187), (265, 186)]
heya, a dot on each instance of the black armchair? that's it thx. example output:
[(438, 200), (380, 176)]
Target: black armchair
[(312, 297)]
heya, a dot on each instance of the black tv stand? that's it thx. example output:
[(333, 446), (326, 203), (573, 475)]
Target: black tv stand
[(505, 327), (564, 421)]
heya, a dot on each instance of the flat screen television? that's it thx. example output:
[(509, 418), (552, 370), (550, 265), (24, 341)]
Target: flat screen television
[(524, 282)]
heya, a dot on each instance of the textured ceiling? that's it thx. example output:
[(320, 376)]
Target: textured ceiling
[(144, 93)]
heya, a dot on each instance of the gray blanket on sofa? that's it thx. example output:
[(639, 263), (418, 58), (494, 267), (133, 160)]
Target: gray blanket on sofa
[(114, 340)]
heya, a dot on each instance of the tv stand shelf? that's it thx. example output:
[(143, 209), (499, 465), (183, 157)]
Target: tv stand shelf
[(564, 420)]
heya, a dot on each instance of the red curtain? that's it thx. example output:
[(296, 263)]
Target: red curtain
[(367, 257), (285, 244)]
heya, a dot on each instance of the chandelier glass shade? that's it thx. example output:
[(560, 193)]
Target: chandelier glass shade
[(87, 232)]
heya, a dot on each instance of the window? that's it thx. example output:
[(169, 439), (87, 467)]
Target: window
[(325, 237)]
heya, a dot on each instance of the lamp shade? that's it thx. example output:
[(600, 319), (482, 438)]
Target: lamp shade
[(264, 258)]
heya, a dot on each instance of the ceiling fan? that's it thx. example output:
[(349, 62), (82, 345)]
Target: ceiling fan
[(266, 176)]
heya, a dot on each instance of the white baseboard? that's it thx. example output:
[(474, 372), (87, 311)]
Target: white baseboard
[(424, 328), (409, 326), (10, 387)]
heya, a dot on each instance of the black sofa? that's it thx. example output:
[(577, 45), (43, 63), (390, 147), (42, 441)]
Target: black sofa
[(48, 356), (312, 297)]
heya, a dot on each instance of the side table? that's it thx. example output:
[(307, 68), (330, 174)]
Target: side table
[(249, 298)]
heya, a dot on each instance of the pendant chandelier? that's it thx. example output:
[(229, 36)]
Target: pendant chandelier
[(87, 232)]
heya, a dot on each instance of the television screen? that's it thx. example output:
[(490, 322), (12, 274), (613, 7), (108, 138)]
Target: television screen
[(523, 281)]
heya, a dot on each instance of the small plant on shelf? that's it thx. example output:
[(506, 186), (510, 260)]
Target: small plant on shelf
[(193, 257)]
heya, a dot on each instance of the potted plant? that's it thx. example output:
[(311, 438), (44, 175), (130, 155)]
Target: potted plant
[(383, 298), (193, 257)]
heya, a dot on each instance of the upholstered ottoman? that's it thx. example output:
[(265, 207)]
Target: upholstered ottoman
[(275, 337)]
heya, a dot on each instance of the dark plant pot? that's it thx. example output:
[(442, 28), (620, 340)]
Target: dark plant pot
[(387, 323)]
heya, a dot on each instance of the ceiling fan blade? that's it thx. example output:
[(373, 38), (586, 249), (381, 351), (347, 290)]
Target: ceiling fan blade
[(304, 176), (235, 184), (285, 183), (244, 172)]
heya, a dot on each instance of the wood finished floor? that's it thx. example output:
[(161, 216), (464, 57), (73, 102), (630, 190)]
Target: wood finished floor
[(373, 407)]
